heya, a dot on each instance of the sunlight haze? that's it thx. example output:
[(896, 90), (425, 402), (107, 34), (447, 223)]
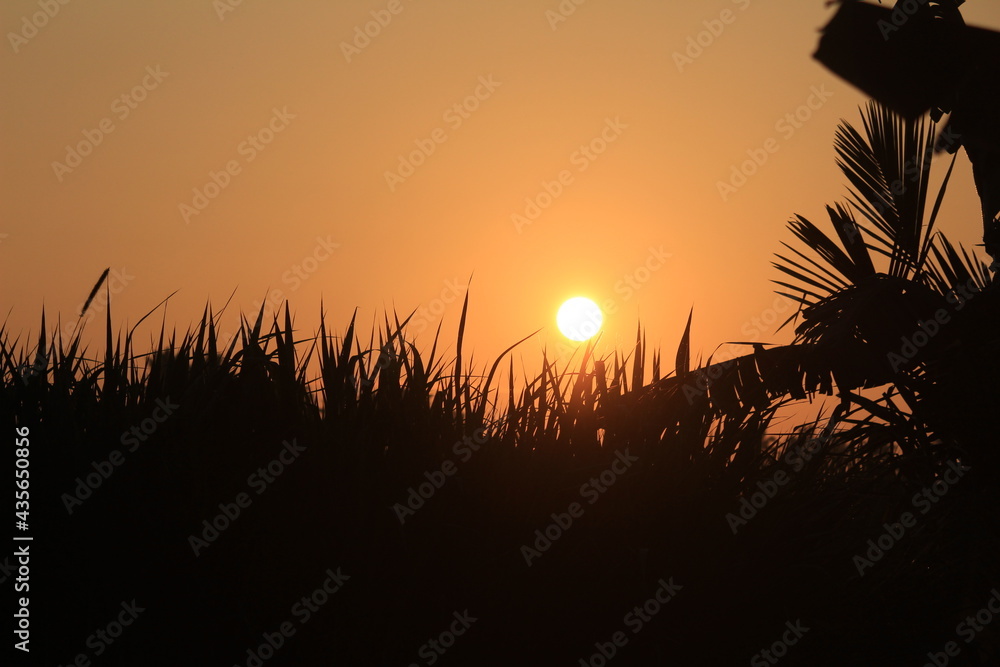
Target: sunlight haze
[(520, 151)]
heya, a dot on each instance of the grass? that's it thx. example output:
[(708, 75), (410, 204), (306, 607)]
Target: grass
[(375, 418), (550, 508)]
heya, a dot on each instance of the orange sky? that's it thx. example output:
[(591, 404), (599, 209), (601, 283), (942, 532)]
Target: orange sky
[(206, 146)]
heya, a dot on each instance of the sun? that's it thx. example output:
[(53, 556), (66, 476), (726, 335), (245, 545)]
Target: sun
[(579, 318)]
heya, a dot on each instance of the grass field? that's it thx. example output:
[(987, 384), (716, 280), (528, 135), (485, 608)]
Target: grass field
[(311, 498)]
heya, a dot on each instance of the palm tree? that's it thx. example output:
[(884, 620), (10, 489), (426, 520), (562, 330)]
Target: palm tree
[(886, 304), (894, 302), (921, 57), (899, 324)]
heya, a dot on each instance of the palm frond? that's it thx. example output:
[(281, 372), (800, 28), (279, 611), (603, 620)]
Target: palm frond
[(889, 170)]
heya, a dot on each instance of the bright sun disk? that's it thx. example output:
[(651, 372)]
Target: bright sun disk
[(579, 318)]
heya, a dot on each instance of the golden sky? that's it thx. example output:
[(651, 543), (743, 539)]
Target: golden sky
[(377, 154)]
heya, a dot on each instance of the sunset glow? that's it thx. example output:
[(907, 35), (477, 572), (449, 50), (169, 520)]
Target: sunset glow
[(547, 332), (579, 318)]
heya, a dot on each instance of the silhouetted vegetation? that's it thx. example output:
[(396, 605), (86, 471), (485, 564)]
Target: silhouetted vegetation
[(404, 471)]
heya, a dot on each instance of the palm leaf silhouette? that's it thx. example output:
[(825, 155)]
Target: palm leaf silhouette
[(862, 286)]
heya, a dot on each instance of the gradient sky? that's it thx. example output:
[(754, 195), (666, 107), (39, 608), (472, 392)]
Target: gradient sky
[(300, 117)]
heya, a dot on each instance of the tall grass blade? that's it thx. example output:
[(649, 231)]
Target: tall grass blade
[(683, 363)]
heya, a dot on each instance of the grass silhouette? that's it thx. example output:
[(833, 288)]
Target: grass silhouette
[(219, 485)]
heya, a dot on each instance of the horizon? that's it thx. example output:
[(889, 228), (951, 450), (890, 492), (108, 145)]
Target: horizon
[(632, 154), (493, 372)]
